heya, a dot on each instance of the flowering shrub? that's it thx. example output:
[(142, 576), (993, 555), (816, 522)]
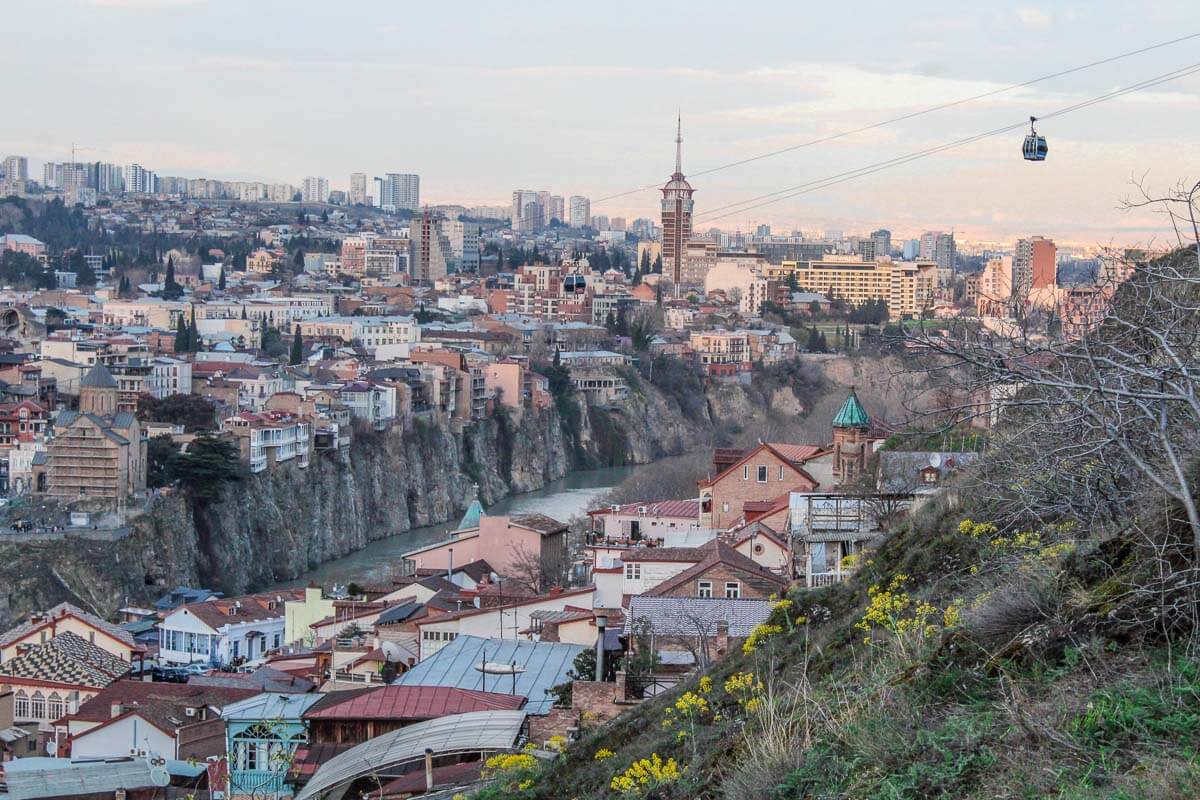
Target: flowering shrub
[(760, 634), (746, 689), (896, 611), (603, 753), (509, 762), (644, 775), (691, 704), (557, 743)]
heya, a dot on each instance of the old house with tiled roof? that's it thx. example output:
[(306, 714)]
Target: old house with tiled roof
[(225, 631), (172, 720), (56, 677), (63, 618), (759, 475)]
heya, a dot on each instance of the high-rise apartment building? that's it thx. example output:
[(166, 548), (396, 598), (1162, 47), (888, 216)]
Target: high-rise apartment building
[(399, 192), (543, 199), (431, 253), (939, 247), (464, 244), (527, 211), (558, 209), (315, 190), (1035, 265), (580, 212), (139, 180), (52, 175), (109, 178), (883, 242), (676, 214), (358, 189), (16, 168)]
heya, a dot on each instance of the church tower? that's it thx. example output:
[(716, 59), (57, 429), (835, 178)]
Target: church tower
[(98, 392), (851, 431)]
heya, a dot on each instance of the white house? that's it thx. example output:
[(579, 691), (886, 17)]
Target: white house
[(225, 631)]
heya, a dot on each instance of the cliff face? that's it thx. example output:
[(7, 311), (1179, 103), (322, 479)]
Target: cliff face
[(276, 526)]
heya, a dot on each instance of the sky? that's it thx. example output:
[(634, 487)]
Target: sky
[(581, 98)]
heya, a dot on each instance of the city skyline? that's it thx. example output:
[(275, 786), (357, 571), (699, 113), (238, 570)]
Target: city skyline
[(736, 102)]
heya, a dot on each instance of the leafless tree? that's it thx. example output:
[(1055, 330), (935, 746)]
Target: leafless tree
[(1100, 429)]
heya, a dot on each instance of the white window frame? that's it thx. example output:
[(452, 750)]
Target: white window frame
[(633, 571), (733, 590), (763, 473), (704, 589)]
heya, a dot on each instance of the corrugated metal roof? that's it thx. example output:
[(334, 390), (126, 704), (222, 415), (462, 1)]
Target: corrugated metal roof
[(478, 731), (411, 703), (695, 616), (270, 705), (545, 665)]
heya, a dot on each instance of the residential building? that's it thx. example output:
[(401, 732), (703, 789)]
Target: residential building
[(257, 729), (882, 243), (939, 248), (66, 618), (760, 475), (400, 192), (134, 718), (269, 439), (994, 288), (139, 180), (315, 189), (677, 207), (1034, 265), (21, 243), (690, 631), (431, 250), (521, 544), (906, 287), (169, 376), (580, 213), (16, 168), (464, 245), (225, 632), (358, 189)]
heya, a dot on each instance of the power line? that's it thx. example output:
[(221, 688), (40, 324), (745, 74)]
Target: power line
[(832, 180), (914, 114)]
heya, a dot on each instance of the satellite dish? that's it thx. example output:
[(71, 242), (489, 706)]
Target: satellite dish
[(935, 460), (160, 777)]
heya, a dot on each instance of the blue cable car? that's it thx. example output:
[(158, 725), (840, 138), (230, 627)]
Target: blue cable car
[(1034, 148)]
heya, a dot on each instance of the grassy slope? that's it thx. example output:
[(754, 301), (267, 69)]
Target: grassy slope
[(1033, 691)]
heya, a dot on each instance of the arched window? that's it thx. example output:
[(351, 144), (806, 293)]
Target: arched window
[(21, 705), (55, 706), (37, 706)]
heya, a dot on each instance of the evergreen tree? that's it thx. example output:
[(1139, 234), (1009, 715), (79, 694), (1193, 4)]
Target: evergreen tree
[(557, 359), (181, 336), (244, 313), (221, 279), (644, 266), (171, 289), (297, 347), (193, 334), (658, 264)]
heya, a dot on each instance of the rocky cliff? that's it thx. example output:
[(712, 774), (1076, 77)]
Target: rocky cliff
[(276, 526)]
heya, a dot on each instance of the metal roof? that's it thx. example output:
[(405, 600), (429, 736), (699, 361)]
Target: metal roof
[(30, 778), (852, 414), (270, 705), (409, 703), (545, 665), (693, 616), (475, 731)]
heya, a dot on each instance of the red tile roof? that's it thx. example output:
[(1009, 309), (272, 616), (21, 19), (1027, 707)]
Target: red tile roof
[(409, 703), (689, 509)]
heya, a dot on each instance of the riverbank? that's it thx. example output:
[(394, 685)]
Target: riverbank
[(563, 499)]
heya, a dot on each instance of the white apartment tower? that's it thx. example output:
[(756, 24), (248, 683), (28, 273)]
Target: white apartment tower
[(580, 212), (315, 190), (399, 192)]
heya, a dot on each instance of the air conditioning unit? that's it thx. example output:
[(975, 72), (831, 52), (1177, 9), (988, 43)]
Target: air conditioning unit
[(189, 712)]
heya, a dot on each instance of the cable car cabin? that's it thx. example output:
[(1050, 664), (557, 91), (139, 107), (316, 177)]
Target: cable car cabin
[(1034, 148)]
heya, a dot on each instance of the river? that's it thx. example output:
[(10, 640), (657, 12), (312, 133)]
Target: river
[(563, 499)]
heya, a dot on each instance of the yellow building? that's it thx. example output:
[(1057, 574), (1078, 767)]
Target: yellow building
[(906, 286), (299, 615)]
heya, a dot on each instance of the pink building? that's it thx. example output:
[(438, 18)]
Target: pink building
[(505, 378), (511, 545), (20, 243)]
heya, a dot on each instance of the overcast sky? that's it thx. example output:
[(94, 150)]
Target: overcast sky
[(580, 98)]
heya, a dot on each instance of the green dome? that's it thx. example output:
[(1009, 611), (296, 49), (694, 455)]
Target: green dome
[(852, 414)]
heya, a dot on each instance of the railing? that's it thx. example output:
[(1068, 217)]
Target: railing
[(818, 579)]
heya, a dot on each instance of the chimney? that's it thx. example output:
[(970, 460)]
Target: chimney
[(450, 564), (116, 710)]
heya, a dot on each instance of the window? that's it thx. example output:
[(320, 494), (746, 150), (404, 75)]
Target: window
[(746, 472), (633, 572), (21, 705), (725, 507), (55, 706), (733, 590), (781, 472), (762, 473), (37, 706), (704, 589), (275, 645)]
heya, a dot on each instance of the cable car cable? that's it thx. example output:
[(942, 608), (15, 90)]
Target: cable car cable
[(870, 169), (911, 115)]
